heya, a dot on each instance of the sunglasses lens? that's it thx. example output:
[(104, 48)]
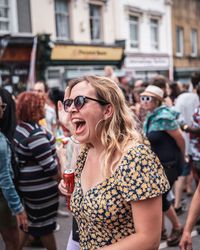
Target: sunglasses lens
[(67, 103), (79, 101)]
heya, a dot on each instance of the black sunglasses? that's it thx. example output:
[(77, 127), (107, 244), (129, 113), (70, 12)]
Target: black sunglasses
[(79, 102)]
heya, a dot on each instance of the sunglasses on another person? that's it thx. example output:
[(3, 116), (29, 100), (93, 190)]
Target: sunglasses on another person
[(80, 101), (146, 98)]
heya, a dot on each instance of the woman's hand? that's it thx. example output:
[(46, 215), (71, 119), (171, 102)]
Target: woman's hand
[(22, 220), (62, 115), (63, 188), (186, 241)]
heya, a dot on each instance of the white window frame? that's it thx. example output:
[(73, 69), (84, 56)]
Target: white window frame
[(66, 15), (100, 23), (5, 19), (155, 26), (179, 41), (194, 42), (134, 44)]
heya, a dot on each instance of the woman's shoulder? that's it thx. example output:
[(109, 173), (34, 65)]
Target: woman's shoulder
[(165, 112), (29, 131), (138, 150), (141, 156), (134, 155), (28, 128)]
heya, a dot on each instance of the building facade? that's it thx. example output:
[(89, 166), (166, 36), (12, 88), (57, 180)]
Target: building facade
[(83, 37), (146, 26), (75, 37), (16, 42), (186, 38)]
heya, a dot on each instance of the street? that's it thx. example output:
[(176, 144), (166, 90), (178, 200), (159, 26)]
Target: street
[(65, 226)]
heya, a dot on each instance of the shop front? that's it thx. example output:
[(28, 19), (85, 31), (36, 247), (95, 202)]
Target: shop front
[(70, 61), (146, 66), (183, 74), (15, 52)]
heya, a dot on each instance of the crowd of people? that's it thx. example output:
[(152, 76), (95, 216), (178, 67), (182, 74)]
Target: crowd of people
[(134, 149)]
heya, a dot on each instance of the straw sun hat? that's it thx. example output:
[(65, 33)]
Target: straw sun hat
[(153, 91)]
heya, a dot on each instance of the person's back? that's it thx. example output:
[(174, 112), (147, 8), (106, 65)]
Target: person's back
[(186, 104)]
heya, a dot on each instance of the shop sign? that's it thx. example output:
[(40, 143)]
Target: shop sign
[(96, 53), (146, 62)]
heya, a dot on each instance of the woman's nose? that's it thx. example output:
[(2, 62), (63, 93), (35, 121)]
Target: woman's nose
[(72, 108)]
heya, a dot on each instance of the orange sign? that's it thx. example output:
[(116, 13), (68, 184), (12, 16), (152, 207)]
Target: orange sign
[(12, 54)]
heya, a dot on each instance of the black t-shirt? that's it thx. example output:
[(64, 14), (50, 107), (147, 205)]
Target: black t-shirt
[(166, 149)]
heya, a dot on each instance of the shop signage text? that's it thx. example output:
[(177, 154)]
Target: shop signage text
[(67, 52)]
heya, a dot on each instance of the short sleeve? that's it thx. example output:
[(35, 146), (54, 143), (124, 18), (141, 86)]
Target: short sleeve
[(169, 124), (141, 175)]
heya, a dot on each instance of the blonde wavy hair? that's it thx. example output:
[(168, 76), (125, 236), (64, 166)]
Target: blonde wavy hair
[(117, 131)]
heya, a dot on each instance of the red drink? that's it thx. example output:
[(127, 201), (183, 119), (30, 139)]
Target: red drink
[(68, 177)]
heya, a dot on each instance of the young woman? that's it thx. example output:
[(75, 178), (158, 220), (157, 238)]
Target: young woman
[(10, 204), (38, 185), (119, 181)]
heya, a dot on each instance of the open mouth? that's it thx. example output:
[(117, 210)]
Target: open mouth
[(79, 125)]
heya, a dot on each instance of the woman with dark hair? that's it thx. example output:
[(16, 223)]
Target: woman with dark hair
[(10, 204), (8, 122), (36, 150), (175, 91)]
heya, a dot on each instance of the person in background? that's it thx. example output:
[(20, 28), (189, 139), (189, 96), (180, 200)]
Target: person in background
[(161, 82), (175, 91), (194, 132), (119, 181), (139, 87), (192, 217), (167, 142), (185, 104), (11, 207), (50, 121), (38, 180), (109, 72)]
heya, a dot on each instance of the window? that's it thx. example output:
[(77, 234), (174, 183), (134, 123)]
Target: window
[(95, 23), (4, 16), (154, 33), (134, 31), (24, 16), (179, 41), (62, 19), (194, 42)]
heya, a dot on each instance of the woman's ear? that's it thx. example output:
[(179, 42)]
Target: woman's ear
[(108, 112)]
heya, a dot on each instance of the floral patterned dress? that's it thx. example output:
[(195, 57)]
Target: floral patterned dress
[(104, 214)]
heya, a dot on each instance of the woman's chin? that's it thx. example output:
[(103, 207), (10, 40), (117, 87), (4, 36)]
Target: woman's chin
[(82, 139)]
